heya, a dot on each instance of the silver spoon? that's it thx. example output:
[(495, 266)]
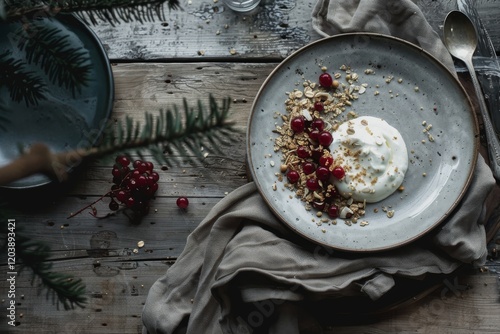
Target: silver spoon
[(461, 40)]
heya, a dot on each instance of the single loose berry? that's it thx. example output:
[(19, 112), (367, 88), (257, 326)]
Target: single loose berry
[(326, 161), (303, 152), (308, 168), (325, 80), (312, 184), (322, 173), (318, 124), (293, 176), (182, 202), (325, 138), (314, 135), (319, 106), (338, 172), (333, 211), (297, 124)]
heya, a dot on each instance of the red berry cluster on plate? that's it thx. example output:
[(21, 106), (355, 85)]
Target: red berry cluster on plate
[(305, 138)]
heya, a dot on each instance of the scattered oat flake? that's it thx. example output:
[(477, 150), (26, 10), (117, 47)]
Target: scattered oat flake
[(232, 51), (135, 251), (140, 244)]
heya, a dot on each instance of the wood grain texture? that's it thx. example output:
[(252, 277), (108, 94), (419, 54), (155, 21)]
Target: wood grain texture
[(155, 66), (205, 30)]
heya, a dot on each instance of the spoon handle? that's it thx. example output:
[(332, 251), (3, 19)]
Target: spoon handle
[(491, 137)]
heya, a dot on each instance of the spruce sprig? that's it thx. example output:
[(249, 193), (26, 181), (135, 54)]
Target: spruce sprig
[(21, 83), (34, 255), (112, 11), (47, 47), (60, 288), (173, 133)]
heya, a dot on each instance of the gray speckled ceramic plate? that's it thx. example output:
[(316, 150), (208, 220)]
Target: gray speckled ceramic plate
[(63, 121), (440, 100)]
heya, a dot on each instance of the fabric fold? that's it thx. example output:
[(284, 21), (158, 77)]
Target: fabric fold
[(244, 271)]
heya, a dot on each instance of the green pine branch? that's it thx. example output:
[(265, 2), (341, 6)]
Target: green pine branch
[(173, 133), (112, 11), (48, 48), (21, 83), (60, 288), (34, 255)]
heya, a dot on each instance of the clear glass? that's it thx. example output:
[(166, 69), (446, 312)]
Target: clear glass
[(241, 5)]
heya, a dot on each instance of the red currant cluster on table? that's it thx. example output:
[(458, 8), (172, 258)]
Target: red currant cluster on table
[(317, 163), (134, 186)]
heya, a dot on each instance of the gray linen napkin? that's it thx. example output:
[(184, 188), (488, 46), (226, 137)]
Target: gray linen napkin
[(243, 271)]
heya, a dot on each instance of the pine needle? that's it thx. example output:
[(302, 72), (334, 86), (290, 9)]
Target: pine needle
[(172, 134), (111, 11), (34, 256), (21, 83), (51, 50)]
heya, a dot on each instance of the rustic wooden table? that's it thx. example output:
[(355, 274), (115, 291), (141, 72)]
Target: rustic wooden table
[(203, 49)]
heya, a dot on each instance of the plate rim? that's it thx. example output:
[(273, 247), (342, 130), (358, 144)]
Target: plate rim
[(69, 19), (446, 214)]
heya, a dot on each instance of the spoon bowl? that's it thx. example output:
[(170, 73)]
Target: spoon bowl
[(460, 38), (459, 35)]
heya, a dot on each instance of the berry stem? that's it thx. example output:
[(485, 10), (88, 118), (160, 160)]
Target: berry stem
[(90, 205)]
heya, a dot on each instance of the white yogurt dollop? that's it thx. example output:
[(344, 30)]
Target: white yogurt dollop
[(374, 157)]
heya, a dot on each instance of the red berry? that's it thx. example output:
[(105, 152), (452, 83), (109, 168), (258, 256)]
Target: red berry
[(293, 176), (318, 124), (137, 163), (314, 135), (182, 202), (113, 206), (325, 80), (338, 172), (303, 152), (130, 202), (116, 172), (325, 138), (122, 160), (325, 161), (155, 176), (312, 184), (142, 181), (297, 124), (150, 166), (143, 167), (322, 173), (333, 211), (122, 196), (308, 168), (318, 106), (318, 205), (152, 189)]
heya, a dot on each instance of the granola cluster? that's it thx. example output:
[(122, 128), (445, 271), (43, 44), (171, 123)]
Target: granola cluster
[(321, 107)]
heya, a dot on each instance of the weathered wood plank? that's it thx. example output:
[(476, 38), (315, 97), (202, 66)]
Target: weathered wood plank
[(117, 290), (206, 30)]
